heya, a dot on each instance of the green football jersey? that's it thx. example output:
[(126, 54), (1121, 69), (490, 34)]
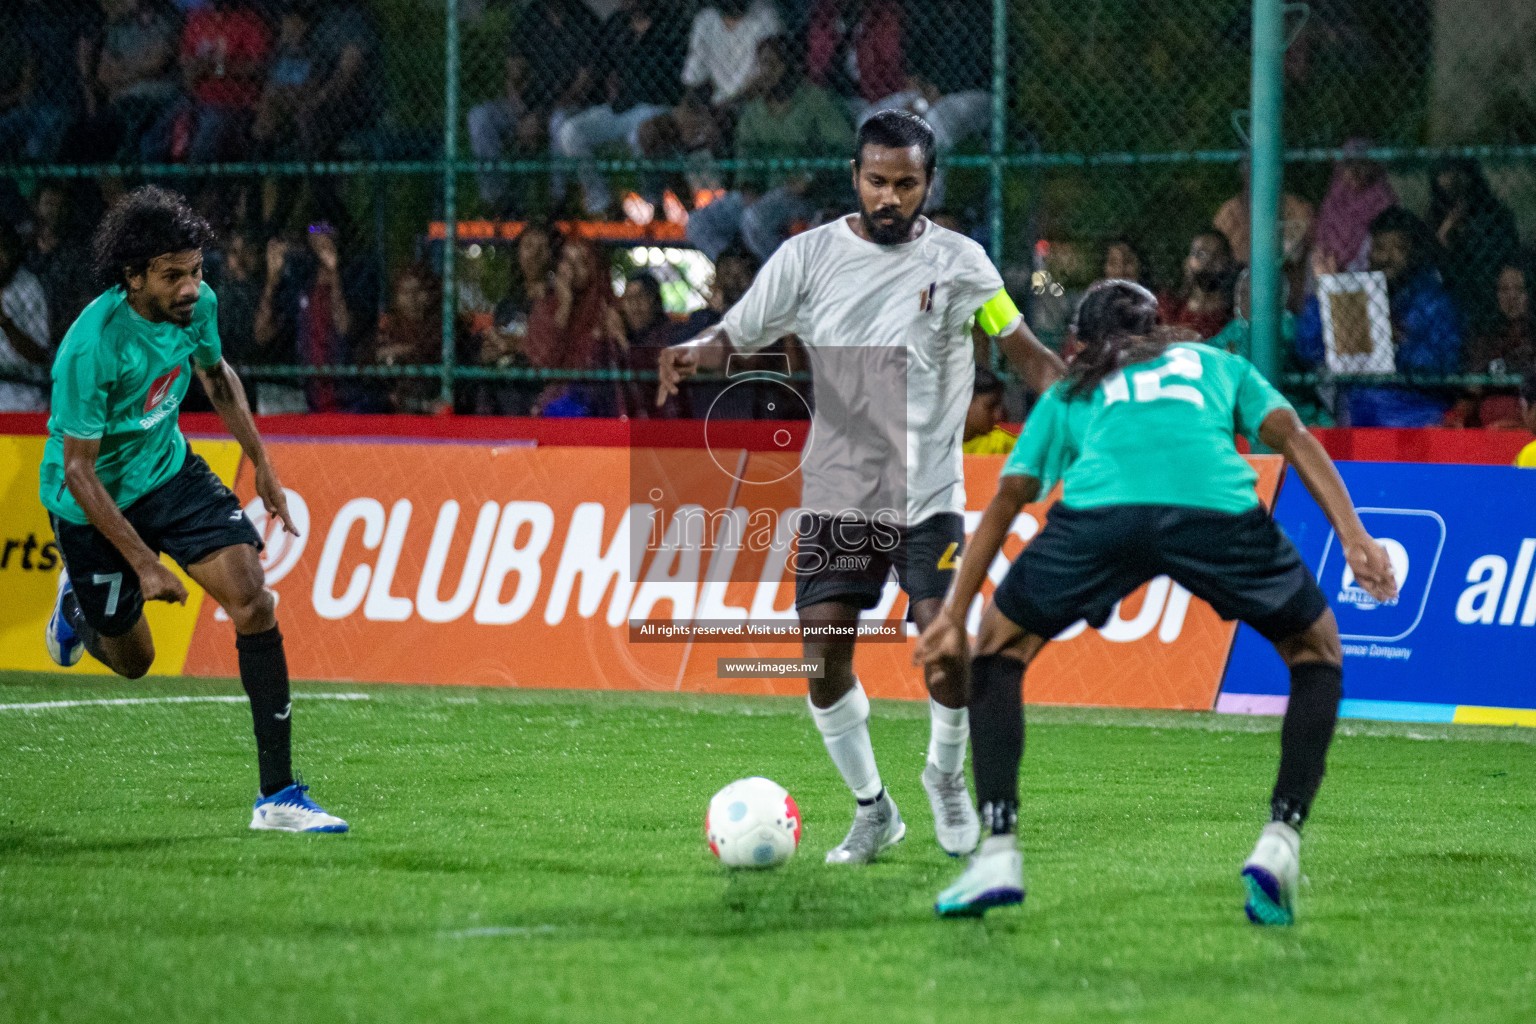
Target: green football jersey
[(1156, 433), (121, 379)]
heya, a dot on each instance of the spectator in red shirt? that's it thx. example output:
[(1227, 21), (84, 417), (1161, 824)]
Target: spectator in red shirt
[(225, 49), (1506, 345), (1203, 302), (411, 334), (570, 329), (856, 52)]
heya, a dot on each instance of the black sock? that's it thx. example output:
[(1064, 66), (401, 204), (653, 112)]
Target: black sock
[(1316, 689), (264, 674), (997, 738)]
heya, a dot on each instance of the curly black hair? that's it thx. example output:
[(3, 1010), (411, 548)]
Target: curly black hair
[(147, 223)]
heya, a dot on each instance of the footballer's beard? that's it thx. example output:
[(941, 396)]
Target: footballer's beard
[(179, 314), (886, 226)]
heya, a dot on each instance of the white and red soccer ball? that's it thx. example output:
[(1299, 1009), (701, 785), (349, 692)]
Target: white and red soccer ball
[(753, 823)]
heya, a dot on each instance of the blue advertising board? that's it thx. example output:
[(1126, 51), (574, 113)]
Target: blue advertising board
[(1462, 631)]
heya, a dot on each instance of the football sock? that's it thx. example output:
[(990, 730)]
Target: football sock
[(844, 729), (1310, 717), (997, 738), (947, 736), (999, 842), (264, 674)]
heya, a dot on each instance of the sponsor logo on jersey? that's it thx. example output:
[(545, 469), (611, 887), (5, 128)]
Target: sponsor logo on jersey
[(161, 388), (925, 298)]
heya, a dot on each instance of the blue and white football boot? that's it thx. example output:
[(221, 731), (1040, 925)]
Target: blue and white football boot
[(291, 810), (994, 879), (1270, 875), (64, 647)]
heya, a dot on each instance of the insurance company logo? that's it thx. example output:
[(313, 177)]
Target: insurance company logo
[(1413, 539), (1350, 592)]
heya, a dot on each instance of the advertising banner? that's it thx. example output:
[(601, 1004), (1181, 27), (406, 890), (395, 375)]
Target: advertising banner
[(534, 567), (1461, 635)]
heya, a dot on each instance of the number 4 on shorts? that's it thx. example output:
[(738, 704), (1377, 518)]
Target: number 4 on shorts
[(114, 582)]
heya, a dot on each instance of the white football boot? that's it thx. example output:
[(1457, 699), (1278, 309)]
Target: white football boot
[(876, 827), (1270, 874), (995, 878), (291, 810), (954, 816)]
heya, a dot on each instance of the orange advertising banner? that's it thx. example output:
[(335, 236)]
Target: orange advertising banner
[(471, 564)]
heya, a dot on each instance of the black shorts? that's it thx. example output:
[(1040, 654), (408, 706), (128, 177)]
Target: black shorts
[(188, 517), (849, 559), (1087, 559)]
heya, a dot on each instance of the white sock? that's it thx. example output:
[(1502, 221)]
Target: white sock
[(948, 734), (845, 729), (998, 844)]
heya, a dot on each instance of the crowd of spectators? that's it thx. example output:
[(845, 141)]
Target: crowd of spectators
[(1458, 287), (195, 81), (151, 81), (741, 78)]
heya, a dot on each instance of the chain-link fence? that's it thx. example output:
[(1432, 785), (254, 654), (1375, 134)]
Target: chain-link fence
[(421, 208)]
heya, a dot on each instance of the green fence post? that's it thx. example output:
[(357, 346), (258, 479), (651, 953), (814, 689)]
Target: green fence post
[(999, 126), (1264, 186), (450, 211)]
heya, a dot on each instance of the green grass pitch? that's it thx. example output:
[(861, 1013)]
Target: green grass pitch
[(529, 856)]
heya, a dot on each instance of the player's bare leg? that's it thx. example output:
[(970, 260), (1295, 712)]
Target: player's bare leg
[(954, 816), (841, 712), (233, 577), (995, 876), (129, 655), (1271, 872)]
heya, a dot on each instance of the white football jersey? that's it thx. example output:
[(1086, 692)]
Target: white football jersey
[(887, 332)]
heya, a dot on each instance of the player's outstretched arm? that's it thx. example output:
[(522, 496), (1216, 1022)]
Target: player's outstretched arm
[(156, 581), (228, 397), (1038, 365), (1284, 432), (945, 636), (704, 351)]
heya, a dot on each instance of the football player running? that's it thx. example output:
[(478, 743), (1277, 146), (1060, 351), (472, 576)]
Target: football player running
[(121, 484)]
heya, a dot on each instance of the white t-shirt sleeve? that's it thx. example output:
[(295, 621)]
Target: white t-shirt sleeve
[(695, 66), (976, 281), (25, 303), (771, 306), (770, 25)]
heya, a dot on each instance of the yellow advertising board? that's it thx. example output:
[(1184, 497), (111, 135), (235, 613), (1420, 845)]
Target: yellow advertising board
[(29, 566)]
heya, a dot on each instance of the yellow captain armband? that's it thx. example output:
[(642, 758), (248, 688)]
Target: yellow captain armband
[(998, 314)]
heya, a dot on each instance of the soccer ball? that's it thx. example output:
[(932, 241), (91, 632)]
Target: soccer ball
[(753, 823)]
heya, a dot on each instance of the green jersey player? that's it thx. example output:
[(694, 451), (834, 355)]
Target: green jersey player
[(121, 485), (1140, 433)]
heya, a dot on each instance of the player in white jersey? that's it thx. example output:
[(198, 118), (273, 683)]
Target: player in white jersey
[(884, 302)]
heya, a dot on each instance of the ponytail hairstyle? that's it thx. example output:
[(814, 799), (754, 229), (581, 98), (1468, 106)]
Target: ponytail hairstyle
[(1116, 325)]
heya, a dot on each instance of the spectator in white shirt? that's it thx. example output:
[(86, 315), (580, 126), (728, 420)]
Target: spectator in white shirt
[(23, 325), (720, 67), (722, 51)]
